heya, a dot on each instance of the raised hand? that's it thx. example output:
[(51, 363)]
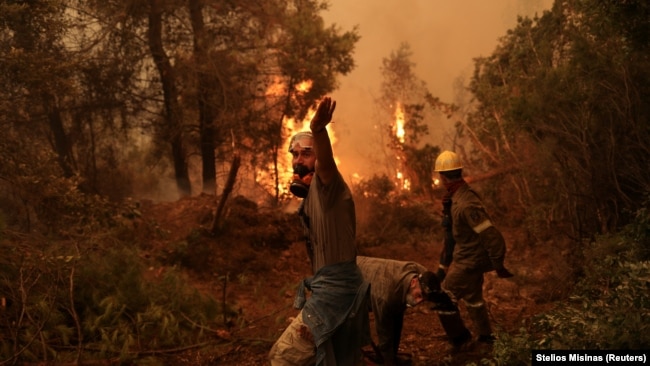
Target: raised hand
[(323, 115)]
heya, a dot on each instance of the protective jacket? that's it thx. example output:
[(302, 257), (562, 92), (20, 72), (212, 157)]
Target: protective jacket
[(479, 248), (478, 245)]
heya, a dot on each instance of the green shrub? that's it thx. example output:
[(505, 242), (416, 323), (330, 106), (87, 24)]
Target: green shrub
[(513, 349), (610, 307), (612, 317), (96, 301)]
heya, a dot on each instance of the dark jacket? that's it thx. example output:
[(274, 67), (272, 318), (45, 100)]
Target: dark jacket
[(478, 244)]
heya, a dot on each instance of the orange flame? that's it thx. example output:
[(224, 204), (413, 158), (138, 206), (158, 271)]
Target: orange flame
[(402, 182), (276, 88), (290, 127), (399, 123), (304, 86)]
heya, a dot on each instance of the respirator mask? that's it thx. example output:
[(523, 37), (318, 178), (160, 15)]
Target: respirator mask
[(302, 177)]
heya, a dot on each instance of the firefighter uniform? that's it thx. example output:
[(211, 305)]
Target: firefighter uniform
[(479, 247)]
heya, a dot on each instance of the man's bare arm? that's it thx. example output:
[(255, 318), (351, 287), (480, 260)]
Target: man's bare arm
[(325, 164)]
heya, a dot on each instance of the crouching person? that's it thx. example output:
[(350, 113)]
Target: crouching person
[(394, 286)]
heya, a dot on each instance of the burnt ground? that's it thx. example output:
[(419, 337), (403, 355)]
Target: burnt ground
[(256, 260)]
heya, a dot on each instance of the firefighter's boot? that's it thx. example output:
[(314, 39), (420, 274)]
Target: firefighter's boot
[(457, 333), (481, 319)]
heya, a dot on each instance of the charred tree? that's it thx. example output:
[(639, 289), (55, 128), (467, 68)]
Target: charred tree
[(172, 115)]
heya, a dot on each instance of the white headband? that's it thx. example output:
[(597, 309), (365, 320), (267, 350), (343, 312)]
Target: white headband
[(295, 140)]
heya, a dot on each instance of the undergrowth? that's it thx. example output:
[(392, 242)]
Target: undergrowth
[(609, 309), (385, 215), (92, 296)]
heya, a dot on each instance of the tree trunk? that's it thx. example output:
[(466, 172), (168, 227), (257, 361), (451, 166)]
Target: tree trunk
[(61, 142), (206, 83), (232, 176), (172, 109)]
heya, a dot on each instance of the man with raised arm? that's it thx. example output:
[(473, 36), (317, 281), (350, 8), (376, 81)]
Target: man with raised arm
[(333, 323)]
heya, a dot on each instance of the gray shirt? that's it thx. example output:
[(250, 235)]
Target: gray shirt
[(331, 221), (389, 284)]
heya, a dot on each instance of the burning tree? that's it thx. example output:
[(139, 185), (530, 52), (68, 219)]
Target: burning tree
[(412, 109), (279, 171), (300, 69)]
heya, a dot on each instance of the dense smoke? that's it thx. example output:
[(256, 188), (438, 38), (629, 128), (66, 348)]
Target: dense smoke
[(445, 37)]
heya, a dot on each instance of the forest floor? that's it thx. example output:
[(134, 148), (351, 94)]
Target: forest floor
[(257, 260)]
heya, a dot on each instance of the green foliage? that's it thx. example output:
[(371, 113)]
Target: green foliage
[(513, 349), (99, 296), (610, 307), (614, 316), (88, 103), (586, 139), (311, 51)]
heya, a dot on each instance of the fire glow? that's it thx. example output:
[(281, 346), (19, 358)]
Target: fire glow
[(399, 123), (290, 126), (402, 182)]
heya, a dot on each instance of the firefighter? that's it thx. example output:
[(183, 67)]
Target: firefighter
[(394, 286), (472, 247)]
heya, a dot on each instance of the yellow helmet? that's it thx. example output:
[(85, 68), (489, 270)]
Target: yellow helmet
[(446, 161)]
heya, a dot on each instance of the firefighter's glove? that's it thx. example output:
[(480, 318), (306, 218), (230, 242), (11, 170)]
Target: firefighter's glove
[(442, 302), (441, 274), (504, 273)]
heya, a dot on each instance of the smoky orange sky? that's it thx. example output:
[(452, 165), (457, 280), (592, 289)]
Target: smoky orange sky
[(445, 36)]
